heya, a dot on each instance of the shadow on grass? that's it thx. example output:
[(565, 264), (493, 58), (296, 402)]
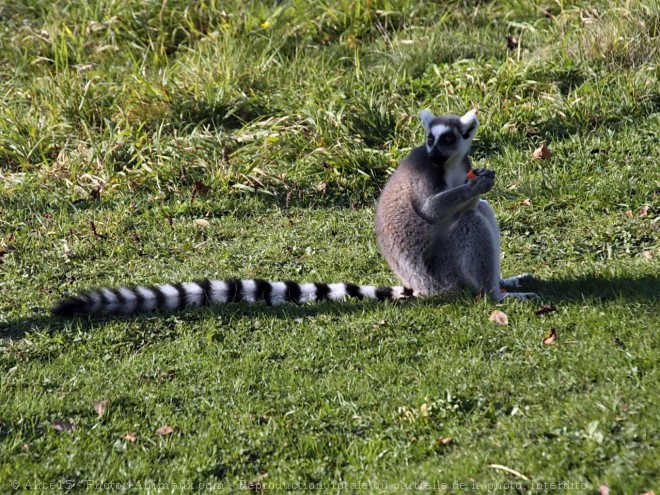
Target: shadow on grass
[(592, 288), (595, 288), (223, 313)]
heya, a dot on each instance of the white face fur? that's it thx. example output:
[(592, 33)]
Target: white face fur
[(455, 137)]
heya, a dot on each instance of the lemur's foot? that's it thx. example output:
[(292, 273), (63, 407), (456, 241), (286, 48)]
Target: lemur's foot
[(518, 281), (521, 295), (504, 294)]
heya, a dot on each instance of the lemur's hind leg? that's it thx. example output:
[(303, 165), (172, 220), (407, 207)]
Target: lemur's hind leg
[(517, 281), (478, 253), (509, 283)]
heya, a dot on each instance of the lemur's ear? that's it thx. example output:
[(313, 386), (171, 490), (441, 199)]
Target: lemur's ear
[(426, 116), (469, 124)]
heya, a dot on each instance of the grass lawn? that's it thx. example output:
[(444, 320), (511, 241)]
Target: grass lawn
[(157, 141)]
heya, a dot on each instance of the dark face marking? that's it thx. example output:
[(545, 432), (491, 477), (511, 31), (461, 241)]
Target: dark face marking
[(430, 140), (468, 131), (448, 139)]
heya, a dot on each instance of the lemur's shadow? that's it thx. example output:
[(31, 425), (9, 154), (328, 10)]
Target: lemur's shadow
[(598, 288), (594, 289)]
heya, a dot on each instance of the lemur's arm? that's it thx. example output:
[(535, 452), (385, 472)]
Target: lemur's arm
[(444, 205)]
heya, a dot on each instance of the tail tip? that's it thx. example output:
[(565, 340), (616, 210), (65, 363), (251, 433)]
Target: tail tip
[(69, 307)]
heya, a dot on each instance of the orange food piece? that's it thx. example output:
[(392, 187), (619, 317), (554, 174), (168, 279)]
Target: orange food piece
[(471, 175)]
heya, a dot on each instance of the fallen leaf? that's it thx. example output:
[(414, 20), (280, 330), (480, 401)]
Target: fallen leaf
[(169, 374), (499, 317), (644, 212), (257, 485), (164, 430), (511, 42), (130, 437), (527, 202), (444, 440), (101, 407), (202, 223), (629, 214), (604, 490), (200, 188), (543, 310), (550, 337), (92, 226), (542, 152), (63, 426), (262, 420), (648, 255), (648, 493)]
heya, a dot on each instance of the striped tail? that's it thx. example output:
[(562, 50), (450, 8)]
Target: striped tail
[(130, 300)]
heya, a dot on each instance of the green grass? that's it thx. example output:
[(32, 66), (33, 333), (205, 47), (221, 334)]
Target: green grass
[(121, 123)]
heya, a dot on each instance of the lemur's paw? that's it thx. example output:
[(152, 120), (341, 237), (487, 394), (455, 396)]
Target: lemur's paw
[(518, 281), (523, 296)]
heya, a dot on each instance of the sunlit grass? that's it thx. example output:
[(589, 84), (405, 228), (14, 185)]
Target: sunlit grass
[(123, 122)]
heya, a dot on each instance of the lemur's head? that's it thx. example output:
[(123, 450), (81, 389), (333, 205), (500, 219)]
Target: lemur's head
[(448, 137)]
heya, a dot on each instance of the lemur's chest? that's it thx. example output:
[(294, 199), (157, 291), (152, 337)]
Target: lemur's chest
[(455, 176)]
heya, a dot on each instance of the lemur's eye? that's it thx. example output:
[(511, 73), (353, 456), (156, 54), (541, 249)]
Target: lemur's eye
[(430, 140), (448, 139)]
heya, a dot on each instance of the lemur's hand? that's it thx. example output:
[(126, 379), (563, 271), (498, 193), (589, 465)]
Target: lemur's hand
[(484, 180), (484, 171)]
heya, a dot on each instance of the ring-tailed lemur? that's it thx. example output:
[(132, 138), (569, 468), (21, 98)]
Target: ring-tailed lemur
[(432, 228)]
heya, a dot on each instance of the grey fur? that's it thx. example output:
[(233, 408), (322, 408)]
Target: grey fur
[(434, 230)]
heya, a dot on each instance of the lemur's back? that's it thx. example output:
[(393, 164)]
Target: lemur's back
[(404, 237)]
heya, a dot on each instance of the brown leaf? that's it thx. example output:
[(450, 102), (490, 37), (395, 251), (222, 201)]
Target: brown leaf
[(542, 152), (527, 202), (202, 222), (543, 310), (499, 317), (257, 485), (648, 255), (511, 42), (63, 426), (550, 337), (92, 226), (169, 374), (644, 212), (101, 407), (130, 437), (444, 440), (648, 493), (164, 431), (629, 214), (200, 188)]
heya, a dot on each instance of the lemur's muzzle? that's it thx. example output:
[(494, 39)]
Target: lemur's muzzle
[(437, 157)]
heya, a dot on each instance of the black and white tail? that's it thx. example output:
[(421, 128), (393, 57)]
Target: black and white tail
[(130, 300)]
